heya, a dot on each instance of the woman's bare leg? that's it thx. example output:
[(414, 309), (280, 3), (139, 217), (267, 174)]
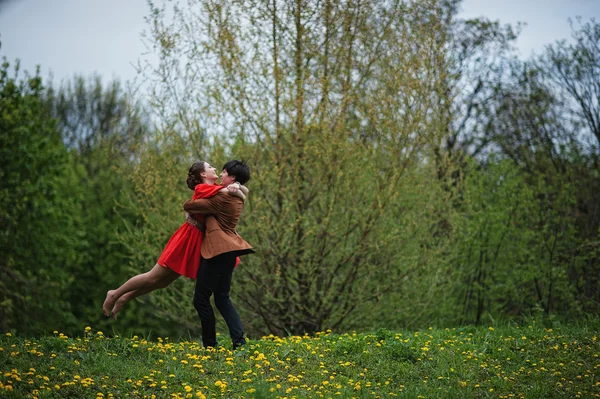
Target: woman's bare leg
[(126, 298), (139, 292), (157, 277)]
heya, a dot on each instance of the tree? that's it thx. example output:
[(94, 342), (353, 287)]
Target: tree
[(479, 50), (91, 114), (537, 121), (574, 69), (331, 103), (103, 126), (40, 211), (514, 245)]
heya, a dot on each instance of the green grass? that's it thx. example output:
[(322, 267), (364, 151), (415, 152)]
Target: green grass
[(529, 361)]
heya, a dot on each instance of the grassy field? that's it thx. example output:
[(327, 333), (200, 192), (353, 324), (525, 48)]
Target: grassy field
[(529, 361)]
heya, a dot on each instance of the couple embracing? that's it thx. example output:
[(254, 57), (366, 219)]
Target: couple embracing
[(206, 248)]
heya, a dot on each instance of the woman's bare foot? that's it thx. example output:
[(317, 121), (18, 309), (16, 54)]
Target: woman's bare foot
[(118, 306), (109, 302)]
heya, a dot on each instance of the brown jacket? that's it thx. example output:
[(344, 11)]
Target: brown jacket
[(223, 213)]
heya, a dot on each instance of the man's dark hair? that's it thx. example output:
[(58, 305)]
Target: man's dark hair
[(239, 169)]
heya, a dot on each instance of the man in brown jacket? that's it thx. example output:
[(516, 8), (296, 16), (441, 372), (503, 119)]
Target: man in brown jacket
[(221, 246)]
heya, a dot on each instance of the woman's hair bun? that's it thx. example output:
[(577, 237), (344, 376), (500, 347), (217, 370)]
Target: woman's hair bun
[(193, 177)]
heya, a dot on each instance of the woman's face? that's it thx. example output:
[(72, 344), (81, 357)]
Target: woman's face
[(210, 173)]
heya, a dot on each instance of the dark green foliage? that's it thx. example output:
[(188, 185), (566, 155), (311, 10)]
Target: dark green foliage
[(65, 160), (103, 128), (515, 246), (40, 211)]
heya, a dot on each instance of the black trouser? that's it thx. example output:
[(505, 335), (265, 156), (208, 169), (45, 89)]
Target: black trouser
[(214, 276)]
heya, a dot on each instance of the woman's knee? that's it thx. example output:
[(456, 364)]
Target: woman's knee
[(160, 277), (163, 283)]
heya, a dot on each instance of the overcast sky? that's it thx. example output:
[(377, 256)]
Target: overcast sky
[(67, 37)]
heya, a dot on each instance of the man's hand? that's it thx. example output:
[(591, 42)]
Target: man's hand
[(237, 190), (233, 188)]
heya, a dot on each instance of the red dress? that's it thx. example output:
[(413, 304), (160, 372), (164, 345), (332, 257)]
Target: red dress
[(182, 252)]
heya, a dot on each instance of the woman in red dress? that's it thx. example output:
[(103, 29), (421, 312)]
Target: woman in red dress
[(181, 255)]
